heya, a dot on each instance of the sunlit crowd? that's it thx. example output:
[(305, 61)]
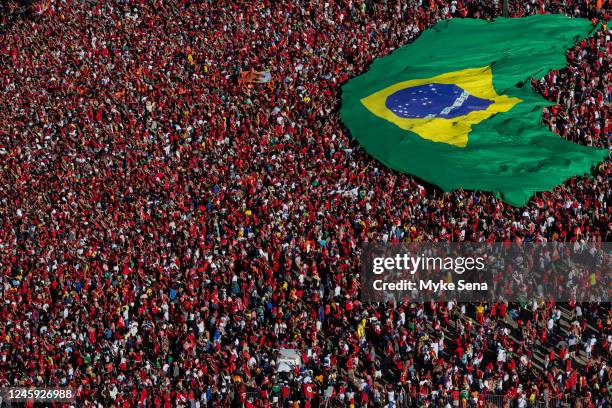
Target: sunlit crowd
[(165, 229)]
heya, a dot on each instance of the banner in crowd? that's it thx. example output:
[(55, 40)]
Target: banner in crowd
[(258, 77), (457, 109)]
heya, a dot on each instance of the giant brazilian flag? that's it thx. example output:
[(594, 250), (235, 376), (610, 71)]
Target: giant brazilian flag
[(457, 109)]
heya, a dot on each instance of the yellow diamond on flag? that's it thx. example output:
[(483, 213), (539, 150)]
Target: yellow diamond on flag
[(442, 108)]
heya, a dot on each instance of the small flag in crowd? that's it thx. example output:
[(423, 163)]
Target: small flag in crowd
[(457, 108), (258, 77)]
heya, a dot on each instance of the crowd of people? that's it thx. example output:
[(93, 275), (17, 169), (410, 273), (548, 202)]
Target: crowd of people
[(165, 230)]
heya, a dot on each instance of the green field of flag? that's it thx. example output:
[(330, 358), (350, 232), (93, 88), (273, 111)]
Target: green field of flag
[(457, 108)]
